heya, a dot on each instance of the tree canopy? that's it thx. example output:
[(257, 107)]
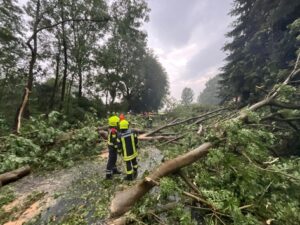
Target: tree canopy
[(210, 94), (76, 55), (187, 96), (262, 48)]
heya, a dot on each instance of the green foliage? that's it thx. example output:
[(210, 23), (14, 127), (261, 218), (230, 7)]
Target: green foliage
[(183, 215), (48, 142), (187, 96), (285, 92), (240, 177), (6, 196), (210, 94), (4, 128), (167, 187), (155, 86), (188, 111), (240, 138), (263, 47), (17, 151), (295, 29), (102, 55)]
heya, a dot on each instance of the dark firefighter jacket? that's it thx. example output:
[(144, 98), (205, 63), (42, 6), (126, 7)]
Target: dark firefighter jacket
[(127, 142), (112, 138)]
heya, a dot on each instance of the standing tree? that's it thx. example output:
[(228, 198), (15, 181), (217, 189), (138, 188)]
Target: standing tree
[(123, 57), (187, 96), (48, 15), (209, 96), (11, 68), (154, 87), (262, 48)]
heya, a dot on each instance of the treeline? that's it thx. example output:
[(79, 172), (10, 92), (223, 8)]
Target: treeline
[(264, 38), (76, 55)]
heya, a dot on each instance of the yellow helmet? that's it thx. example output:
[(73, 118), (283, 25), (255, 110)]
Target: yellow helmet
[(113, 121), (124, 124)]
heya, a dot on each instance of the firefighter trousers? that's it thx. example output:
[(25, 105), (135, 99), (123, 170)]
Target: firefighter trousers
[(131, 166), (112, 159)]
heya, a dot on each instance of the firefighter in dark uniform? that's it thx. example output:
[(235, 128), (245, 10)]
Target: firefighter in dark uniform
[(127, 141), (112, 143)]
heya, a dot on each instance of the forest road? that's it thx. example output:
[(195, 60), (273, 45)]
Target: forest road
[(57, 196)]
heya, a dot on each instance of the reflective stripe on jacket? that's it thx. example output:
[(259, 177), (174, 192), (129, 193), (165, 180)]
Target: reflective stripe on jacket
[(128, 143)]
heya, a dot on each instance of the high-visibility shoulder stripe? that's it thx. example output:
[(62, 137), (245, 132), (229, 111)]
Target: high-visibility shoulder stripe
[(133, 144), (124, 147)]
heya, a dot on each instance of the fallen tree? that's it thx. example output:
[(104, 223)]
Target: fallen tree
[(14, 175), (155, 138), (123, 201), (104, 135), (184, 121)]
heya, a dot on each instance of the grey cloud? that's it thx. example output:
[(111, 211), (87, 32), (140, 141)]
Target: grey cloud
[(211, 56), (175, 22), (171, 21)]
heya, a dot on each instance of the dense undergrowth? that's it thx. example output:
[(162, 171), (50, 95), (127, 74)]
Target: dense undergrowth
[(243, 180), (50, 142), (250, 177)]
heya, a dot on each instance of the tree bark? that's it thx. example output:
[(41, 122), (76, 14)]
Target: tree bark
[(65, 73), (21, 110), (184, 121), (52, 100), (155, 138), (80, 81), (124, 200), (207, 118), (69, 93), (33, 49), (14, 175)]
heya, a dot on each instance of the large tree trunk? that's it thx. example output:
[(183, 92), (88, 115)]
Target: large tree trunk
[(14, 175), (23, 107), (20, 111), (65, 47), (124, 200), (69, 94), (52, 100), (80, 81)]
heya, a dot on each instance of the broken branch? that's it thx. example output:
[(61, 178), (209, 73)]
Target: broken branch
[(183, 121), (124, 200), (14, 175)]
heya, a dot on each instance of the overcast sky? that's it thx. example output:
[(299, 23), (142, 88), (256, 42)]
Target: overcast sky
[(187, 36)]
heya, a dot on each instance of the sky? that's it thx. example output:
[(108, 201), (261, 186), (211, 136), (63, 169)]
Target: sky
[(187, 36)]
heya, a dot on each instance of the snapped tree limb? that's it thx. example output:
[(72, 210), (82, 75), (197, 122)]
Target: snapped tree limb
[(183, 121), (21, 110), (14, 175), (124, 200)]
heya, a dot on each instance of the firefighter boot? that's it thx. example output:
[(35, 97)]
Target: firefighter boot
[(109, 175), (135, 173), (128, 177), (116, 171)]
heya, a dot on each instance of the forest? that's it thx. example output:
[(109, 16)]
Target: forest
[(230, 156)]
